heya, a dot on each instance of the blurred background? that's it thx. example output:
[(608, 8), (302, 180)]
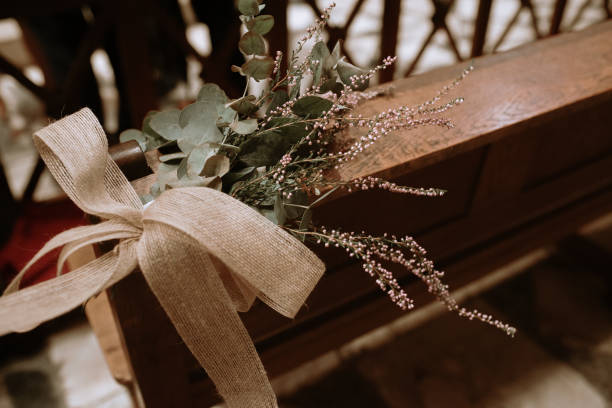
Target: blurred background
[(124, 58)]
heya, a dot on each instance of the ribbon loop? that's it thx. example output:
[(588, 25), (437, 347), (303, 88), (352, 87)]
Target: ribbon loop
[(204, 254), (76, 152)]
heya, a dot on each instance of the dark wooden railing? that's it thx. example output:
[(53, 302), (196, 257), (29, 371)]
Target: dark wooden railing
[(528, 163), (125, 26)]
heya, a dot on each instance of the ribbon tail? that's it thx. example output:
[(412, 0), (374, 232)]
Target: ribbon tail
[(54, 297), (100, 232), (183, 277)]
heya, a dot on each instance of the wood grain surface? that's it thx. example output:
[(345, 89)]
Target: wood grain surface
[(505, 93)]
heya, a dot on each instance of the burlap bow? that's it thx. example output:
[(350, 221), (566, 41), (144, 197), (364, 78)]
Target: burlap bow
[(204, 254)]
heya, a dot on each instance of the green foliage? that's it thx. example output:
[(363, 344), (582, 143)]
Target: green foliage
[(244, 127), (134, 134), (252, 43), (166, 124), (266, 149), (311, 106), (346, 71), (244, 105), (258, 68), (261, 24), (232, 144), (248, 7), (278, 98), (279, 162)]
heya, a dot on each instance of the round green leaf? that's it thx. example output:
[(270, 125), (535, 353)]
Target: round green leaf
[(197, 158), (244, 105), (312, 106), (217, 165), (200, 112), (134, 134), (196, 133), (346, 71), (244, 127), (212, 93), (261, 24), (248, 7), (166, 124), (258, 68), (278, 98), (252, 43)]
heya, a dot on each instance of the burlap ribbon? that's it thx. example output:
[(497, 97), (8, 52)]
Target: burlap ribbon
[(204, 254)]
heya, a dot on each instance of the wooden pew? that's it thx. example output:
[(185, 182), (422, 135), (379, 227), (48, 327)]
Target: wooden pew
[(528, 163)]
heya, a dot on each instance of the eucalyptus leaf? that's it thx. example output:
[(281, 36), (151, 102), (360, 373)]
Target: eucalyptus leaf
[(166, 124), (258, 68), (134, 134), (291, 127), (261, 24), (197, 133), (166, 174), (311, 106), (217, 165), (244, 127), (244, 105), (181, 171), (146, 198), (318, 56), (198, 157), (154, 139), (331, 85), (252, 43), (266, 148), (248, 7), (334, 57), (201, 112), (278, 98), (172, 157), (295, 89), (212, 93), (346, 71), (146, 124), (155, 189), (226, 115)]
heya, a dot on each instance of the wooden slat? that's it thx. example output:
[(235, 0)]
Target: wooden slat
[(506, 93)]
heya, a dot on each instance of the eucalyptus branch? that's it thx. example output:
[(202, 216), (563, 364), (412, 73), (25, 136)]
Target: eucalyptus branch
[(280, 162)]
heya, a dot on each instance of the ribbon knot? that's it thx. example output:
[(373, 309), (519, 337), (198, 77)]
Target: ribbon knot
[(204, 255)]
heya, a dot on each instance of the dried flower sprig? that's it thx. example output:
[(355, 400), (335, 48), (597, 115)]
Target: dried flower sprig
[(405, 251), (277, 151)]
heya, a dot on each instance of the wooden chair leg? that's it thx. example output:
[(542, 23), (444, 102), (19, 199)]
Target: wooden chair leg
[(557, 17), (388, 35), (481, 26)]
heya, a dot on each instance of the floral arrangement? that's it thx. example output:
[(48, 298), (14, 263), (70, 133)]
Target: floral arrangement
[(277, 151)]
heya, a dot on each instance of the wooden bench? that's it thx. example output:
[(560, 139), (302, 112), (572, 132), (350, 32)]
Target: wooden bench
[(528, 163)]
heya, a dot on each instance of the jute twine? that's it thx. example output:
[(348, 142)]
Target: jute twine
[(204, 254)]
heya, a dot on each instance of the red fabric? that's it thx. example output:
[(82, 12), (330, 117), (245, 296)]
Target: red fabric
[(37, 223)]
